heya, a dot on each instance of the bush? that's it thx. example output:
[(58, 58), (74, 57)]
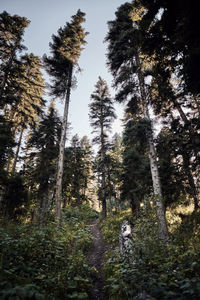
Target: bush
[(47, 262), (164, 272)]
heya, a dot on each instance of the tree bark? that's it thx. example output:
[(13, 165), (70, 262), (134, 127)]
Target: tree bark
[(58, 197), (162, 224), (125, 239), (135, 207), (18, 149), (103, 182), (103, 186)]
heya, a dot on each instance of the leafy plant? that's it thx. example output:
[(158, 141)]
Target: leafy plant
[(47, 262), (165, 272)]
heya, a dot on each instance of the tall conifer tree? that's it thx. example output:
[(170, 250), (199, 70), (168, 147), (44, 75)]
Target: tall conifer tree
[(136, 175), (173, 73), (31, 89), (65, 49), (101, 117), (11, 33), (77, 171), (44, 146), (124, 60)]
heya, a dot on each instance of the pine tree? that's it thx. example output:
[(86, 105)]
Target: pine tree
[(113, 166), (65, 49), (101, 116), (124, 60), (173, 176), (77, 171), (29, 108), (170, 87), (87, 170), (183, 145), (6, 145), (44, 145), (11, 33), (175, 27), (136, 175)]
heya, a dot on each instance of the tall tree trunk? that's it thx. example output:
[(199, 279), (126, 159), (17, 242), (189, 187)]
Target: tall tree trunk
[(135, 207), (103, 186), (58, 197), (103, 182), (8, 167), (85, 187), (18, 149), (162, 224)]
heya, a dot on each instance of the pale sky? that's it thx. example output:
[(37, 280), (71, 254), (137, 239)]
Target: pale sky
[(46, 17)]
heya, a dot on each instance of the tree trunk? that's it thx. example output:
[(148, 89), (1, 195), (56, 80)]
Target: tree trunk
[(44, 209), (103, 179), (18, 149), (8, 167), (103, 186), (115, 199), (162, 224), (125, 239), (135, 207), (58, 197)]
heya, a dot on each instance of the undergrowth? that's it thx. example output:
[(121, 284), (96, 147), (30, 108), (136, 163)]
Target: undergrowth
[(163, 271), (48, 262)]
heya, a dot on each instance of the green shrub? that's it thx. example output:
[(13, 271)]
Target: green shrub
[(165, 272), (28, 291), (47, 262)]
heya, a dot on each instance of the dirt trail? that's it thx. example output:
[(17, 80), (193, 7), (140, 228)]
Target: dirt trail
[(95, 259)]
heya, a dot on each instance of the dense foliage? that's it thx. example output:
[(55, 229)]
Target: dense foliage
[(163, 272), (51, 194), (47, 263)]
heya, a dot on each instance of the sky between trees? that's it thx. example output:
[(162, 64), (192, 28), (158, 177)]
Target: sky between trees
[(46, 17)]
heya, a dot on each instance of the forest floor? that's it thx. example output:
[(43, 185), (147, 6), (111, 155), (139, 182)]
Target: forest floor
[(95, 260)]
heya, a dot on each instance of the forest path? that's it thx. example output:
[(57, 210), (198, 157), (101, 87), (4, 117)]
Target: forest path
[(95, 260)]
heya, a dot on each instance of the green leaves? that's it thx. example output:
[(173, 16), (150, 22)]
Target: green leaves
[(11, 32), (101, 108), (77, 295), (101, 116), (164, 273), (65, 49), (47, 263), (29, 291)]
